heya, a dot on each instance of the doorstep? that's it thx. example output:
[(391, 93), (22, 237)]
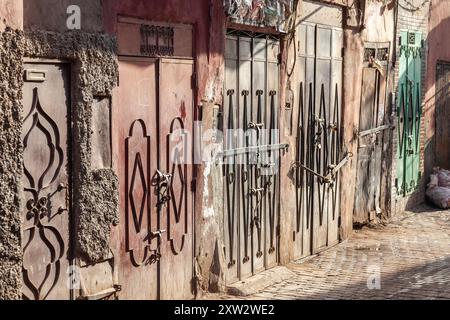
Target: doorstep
[(259, 282)]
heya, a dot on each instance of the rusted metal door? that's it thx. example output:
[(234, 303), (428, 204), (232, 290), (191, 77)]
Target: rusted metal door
[(319, 154), (46, 211), (443, 114), (251, 155), (153, 119), (372, 127)]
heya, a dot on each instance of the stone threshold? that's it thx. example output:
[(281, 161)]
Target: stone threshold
[(259, 282)]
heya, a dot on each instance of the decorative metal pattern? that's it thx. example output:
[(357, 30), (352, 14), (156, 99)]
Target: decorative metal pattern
[(409, 113), (318, 158), (42, 277), (177, 208), (137, 224), (157, 41), (230, 176)]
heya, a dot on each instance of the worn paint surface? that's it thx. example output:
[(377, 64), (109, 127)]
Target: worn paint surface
[(207, 19)]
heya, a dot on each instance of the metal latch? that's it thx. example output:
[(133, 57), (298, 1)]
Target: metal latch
[(162, 182), (332, 169)]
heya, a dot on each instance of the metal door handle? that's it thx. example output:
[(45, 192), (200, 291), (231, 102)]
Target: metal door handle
[(157, 234)]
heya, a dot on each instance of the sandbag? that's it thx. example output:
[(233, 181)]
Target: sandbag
[(443, 177), (438, 190)]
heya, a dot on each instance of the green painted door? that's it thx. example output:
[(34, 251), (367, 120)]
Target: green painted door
[(409, 111)]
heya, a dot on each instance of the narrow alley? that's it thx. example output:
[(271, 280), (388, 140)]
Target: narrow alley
[(411, 256)]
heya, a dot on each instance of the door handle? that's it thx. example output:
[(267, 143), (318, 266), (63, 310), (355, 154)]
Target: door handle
[(157, 234)]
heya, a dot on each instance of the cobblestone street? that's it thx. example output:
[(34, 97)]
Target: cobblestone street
[(406, 259)]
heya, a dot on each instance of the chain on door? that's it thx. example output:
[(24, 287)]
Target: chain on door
[(319, 151), (153, 120), (46, 213), (251, 156), (409, 112)]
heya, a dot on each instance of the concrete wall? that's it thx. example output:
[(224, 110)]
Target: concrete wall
[(438, 50)]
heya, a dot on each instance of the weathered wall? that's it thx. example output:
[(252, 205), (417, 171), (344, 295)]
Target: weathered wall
[(11, 14), (53, 15), (11, 52), (207, 18), (438, 50), (411, 15)]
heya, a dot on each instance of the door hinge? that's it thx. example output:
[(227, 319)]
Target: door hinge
[(194, 81)]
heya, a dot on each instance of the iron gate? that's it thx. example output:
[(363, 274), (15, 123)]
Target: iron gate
[(153, 120), (251, 156), (319, 152), (372, 140), (409, 112), (46, 211)]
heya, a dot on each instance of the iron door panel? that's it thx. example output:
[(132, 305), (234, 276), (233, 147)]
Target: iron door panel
[(298, 111), (259, 78), (271, 165), (322, 112), (231, 195), (318, 146), (307, 113), (334, 135), (46, 214), (176, 215), (135, 125), (244, 140)]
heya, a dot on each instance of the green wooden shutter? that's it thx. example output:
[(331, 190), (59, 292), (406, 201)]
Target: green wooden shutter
[(409, 111)]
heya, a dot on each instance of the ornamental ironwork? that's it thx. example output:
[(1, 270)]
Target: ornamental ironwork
[(157, 41)]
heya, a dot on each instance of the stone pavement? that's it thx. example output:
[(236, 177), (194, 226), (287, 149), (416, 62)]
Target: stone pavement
[(409, 258)]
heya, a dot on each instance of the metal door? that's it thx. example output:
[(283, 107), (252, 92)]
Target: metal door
[(409, 112), (443, 114), (175, 159), (319, 154), (46, 210), (372, 126), (251, 156), (135, 121), (153, 120)]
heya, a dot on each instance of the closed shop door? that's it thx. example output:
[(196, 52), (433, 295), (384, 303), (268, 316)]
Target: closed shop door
[(372, 139), (251, 156), (153, 119), (409, 113), (443, 114), (319, 154), (46, 213)]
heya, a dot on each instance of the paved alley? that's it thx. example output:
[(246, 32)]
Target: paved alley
[(406, 259)]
